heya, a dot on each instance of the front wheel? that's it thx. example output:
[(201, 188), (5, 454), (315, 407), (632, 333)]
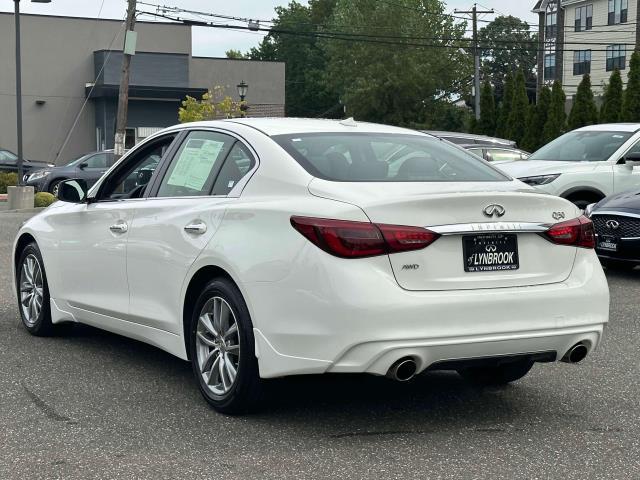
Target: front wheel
[(222, 349), (54, 187), (33, 292), (497, 375)]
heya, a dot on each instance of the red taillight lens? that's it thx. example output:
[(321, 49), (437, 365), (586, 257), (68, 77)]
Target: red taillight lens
[(348, 239), (577, 232)]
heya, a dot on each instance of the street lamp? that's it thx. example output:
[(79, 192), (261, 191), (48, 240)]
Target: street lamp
[(19, 87), (242, 93)]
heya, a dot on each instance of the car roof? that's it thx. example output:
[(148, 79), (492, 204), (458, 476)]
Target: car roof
[(470, 136), (283, 126), (608, 127)]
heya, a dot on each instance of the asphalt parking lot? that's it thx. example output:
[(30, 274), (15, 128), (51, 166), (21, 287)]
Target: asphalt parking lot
[(94, 405)]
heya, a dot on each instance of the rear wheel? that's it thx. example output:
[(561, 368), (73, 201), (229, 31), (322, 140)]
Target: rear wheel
[(497, 375), (33, 292), (222, 349)]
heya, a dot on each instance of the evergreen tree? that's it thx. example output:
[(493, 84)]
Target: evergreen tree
[(556, 118), (505, 108), (631, 102), (487, 123), (612, 99), (516, 123), (533, 139), (584, 111), (529, 139)]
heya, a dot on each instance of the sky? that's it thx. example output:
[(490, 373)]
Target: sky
[(215, 42)]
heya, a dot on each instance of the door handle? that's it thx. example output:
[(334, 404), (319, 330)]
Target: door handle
[(120, 227), (197, 228)]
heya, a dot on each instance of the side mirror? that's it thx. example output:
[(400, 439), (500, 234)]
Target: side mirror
[(83, 165), (73, 191)]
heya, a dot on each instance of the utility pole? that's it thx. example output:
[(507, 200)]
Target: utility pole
[(476, 53), (123, 95)]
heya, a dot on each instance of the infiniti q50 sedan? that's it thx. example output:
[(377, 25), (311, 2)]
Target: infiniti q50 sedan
[(260, 248)]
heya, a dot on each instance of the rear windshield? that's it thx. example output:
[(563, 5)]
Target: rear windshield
[(582, 146), (373, 157)]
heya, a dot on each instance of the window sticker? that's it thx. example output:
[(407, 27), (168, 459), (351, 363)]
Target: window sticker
[(195, 163)]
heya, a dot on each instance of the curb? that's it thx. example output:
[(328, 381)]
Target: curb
[(3, 197), (23, 210)]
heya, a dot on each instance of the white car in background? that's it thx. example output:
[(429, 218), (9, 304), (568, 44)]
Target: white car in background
[(584, 165), (259, 248)]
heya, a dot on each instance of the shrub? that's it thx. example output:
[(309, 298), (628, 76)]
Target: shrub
[(43, 199), (7, 179)]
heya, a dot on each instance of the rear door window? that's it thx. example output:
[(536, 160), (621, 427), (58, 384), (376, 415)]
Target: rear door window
[(239, 162), (195, 165)]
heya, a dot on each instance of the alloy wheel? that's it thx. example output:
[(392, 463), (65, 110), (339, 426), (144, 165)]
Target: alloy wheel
[(31, 289), (218, 346)]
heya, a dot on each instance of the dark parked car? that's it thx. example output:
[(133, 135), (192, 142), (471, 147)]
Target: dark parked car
[(470, 138), (89, 167), (616, 220), (497, 153), (9, 162)]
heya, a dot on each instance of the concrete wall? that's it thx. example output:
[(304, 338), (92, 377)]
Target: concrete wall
[(603, 35), (57, 62)]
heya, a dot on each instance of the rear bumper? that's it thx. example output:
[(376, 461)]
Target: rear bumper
[(339, 316)]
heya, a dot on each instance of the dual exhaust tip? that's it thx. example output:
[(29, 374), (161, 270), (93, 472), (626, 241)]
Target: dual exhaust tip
[(576, 354)]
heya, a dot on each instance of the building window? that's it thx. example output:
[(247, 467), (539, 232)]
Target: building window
[(618, 11), (581, 62), (616, 57), (551, 26), (550, 66), (584, 18)]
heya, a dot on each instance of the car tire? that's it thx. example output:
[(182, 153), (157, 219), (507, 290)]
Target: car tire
[(221, 343), (33, 292), (53, 187), (497, 375)]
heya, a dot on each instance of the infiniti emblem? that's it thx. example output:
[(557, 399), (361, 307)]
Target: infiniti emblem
[(612, 224), (490, 248), (494, 210)]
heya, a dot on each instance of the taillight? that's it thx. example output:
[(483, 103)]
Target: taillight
[(348, 239), (577, 232)]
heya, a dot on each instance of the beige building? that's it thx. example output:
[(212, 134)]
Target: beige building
[(585, 36), (71, 75)]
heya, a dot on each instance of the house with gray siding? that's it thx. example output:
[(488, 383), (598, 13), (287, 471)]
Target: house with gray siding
[(585, 36), (71, 75)]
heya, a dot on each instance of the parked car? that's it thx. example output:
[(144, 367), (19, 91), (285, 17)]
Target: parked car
[(9, 162), (90, 167), (497, 154), (617, 225), (261, 248), (585, 165), (470, 138)]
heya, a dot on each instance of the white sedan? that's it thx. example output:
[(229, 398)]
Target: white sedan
[(584, 165), (259, 248)]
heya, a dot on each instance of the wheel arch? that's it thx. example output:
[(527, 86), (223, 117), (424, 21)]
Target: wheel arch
[(588, 191), (197, 282), (24, 240)]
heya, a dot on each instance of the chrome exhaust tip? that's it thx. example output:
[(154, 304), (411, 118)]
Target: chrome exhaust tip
[(403, 370), (576, 354)]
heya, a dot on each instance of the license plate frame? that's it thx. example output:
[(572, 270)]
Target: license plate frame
[(490, 252), (608, 243)]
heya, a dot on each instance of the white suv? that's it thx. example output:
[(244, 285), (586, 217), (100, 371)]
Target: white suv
[(584, 165)]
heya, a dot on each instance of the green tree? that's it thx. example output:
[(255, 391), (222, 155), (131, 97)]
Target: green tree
[(612, 99), (557, 117), (583, 111), (631, 102), (214, 104), (235, 54), (502, 128), (308, 94), (498, 61), (387, 81), (516, 123), (535, 126), (487, 123)]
